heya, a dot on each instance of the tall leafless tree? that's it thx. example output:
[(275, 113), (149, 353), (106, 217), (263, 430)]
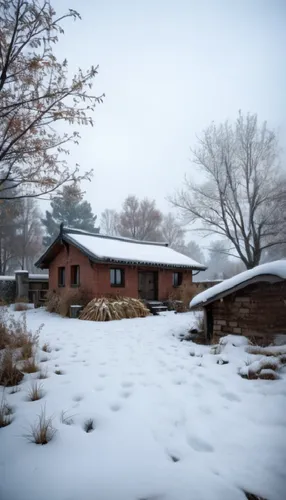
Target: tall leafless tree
[(140, 220), (109, 222), (29, 235), (172, 232), (36, 96), (241, 198)]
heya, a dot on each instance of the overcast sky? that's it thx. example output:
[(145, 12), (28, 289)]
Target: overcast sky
[(168, 68)]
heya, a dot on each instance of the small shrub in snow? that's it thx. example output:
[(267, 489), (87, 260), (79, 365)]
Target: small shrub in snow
[(4, 331), (5, 413), (42, 431), (59, 372), (20, 306), (88, 425), (46, 347), (52, 303), (35, 392), (30, 366)]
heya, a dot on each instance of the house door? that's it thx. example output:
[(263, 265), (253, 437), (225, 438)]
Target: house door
[(147, 282)]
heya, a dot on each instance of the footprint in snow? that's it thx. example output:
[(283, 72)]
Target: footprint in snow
[(127, 384), (102, 375), (99, 388), (230, 396), (115, 407), (78, 397), (125, 394), (179, 381), (199, 444)]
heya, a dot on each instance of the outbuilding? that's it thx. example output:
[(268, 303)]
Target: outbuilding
[(252, 303)]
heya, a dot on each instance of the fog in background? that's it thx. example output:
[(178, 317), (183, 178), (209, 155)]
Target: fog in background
[(169, 68)]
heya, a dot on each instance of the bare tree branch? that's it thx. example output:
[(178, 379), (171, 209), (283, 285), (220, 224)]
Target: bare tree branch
[(245, 188)]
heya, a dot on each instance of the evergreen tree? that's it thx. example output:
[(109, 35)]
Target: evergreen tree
[(68, 207)]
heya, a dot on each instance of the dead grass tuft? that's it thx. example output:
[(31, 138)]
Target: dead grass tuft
[(251, 496), (43, 374), (89, 425), (21, 307), (9, 374), (46, 347), (30, 366), (52, 303), (114, 308), (60, 302), (59, 372), (5, 413), (65, 419), (42, 431), (35, 392), (15, 334), (4, 332)]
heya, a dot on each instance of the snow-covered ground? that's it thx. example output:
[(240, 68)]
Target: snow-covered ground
[(168, 425)]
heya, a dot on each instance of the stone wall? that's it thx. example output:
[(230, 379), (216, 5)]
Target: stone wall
[(256, 310), (7, 289)]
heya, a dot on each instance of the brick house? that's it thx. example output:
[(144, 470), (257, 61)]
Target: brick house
[(102, 265), (253, 303)]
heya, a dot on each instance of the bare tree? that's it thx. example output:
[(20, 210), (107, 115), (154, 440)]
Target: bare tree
[(109, 223), (36, 94), (140, 219), (9, 212), (172, 232), (242, 195), (29, 234)]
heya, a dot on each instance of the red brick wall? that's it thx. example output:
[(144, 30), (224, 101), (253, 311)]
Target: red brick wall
[(95, 278), (256, 310)]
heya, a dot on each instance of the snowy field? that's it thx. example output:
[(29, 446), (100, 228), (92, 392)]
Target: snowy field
[(170, 423)]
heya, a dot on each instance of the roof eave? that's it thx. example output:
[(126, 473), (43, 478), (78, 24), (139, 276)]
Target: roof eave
[(272, 278)]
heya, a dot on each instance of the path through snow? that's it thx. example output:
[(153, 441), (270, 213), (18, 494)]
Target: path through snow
[(168, 425)]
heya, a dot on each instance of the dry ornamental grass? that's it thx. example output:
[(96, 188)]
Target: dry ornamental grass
[(108, 309), (42, 431)]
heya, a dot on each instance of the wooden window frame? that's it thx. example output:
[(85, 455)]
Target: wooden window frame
[(61, 283), (177, 282), (75, 272), (122, 274)]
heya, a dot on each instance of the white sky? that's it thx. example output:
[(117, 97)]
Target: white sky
[(168, 68)]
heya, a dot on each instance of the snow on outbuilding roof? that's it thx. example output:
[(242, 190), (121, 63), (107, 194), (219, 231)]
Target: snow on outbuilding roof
[(272, 271), (105, 248), (108, 249)]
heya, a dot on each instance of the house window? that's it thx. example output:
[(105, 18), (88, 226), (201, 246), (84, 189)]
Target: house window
[(74, 275), (117, 277), (177, 279), (61, 276)]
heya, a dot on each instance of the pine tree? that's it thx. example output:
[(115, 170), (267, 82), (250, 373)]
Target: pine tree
[(68, 207)]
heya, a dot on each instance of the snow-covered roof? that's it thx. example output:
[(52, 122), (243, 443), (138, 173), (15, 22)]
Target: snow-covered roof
[(7, 278), (38, 277), (108, 249), (105, 248), (259, 273)]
